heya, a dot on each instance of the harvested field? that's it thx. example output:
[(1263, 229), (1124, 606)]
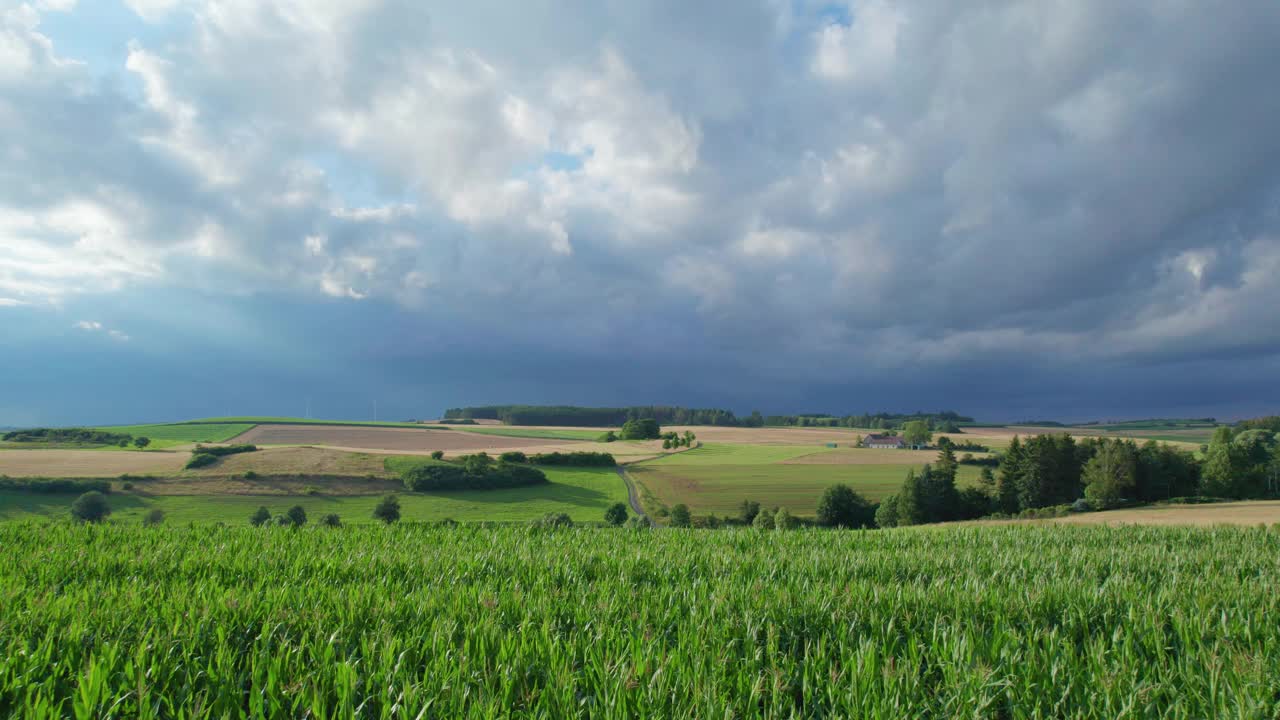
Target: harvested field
[(1233, 513), (88, 463), (770, 435), (389, 439), (298, 461), (866, 456)]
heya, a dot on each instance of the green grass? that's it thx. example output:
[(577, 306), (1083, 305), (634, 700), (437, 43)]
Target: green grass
[(719, 489), (169, 435), (311, 421), (727, 454), (543, 433), (412, 621), (583, 493)]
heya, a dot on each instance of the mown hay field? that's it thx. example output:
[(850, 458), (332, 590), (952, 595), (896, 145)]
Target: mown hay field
[(415, 622)]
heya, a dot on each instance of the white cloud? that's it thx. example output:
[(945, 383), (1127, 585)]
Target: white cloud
[(90, 325)]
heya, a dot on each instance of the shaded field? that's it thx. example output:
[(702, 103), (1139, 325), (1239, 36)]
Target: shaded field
[(770, 435), (582, 493), (719, 489), (88, 463), (977, 622), (537, 432), (381, 438), (867, 456)]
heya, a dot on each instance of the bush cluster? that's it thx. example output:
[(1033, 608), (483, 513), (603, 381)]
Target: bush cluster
[(576, 459), (426, 478), (205, 455), (68, 435), (54, 486)]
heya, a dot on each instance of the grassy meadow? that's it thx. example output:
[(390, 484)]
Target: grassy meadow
[(582, 493), (419, 621)]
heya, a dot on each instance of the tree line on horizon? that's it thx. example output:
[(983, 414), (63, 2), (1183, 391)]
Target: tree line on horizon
[(571, 415)]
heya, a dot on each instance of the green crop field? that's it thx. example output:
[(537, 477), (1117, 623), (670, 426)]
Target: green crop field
[(543, 433), (312, 421), (431, 622), (168, 435), (583, 493), (719, 489)]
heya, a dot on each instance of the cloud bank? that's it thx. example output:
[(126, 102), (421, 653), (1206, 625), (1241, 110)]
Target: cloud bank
[(867, 190)]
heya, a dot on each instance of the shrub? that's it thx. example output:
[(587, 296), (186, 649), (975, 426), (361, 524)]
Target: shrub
[(250, 475), (666, 444), (785, 521), (763, 520), (840, 506), (608, 437), (260, 517), (58, 486), (748, 511), (1081, 505), (437, 454), (141, 442), (513, 456), (90, 507), (680, 516), (126, 486), (153, 518), (297, 516), (331, 520), (282, 521), (616, 514), (554, 520), (388, 510), (199, 460), (224, 450)]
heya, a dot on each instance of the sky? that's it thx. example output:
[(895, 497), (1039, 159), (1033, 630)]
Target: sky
[(1048, 209)]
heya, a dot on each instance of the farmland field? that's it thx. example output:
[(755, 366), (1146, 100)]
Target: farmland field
[(407, 622), (182, 433), (582, 493), (546, 433), (380, 438), (88, 463), (719, 489)]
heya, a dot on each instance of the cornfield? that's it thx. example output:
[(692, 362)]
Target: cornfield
[(437, 622)]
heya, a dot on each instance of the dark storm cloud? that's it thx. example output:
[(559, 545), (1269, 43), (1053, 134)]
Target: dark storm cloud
[(990, 205)]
